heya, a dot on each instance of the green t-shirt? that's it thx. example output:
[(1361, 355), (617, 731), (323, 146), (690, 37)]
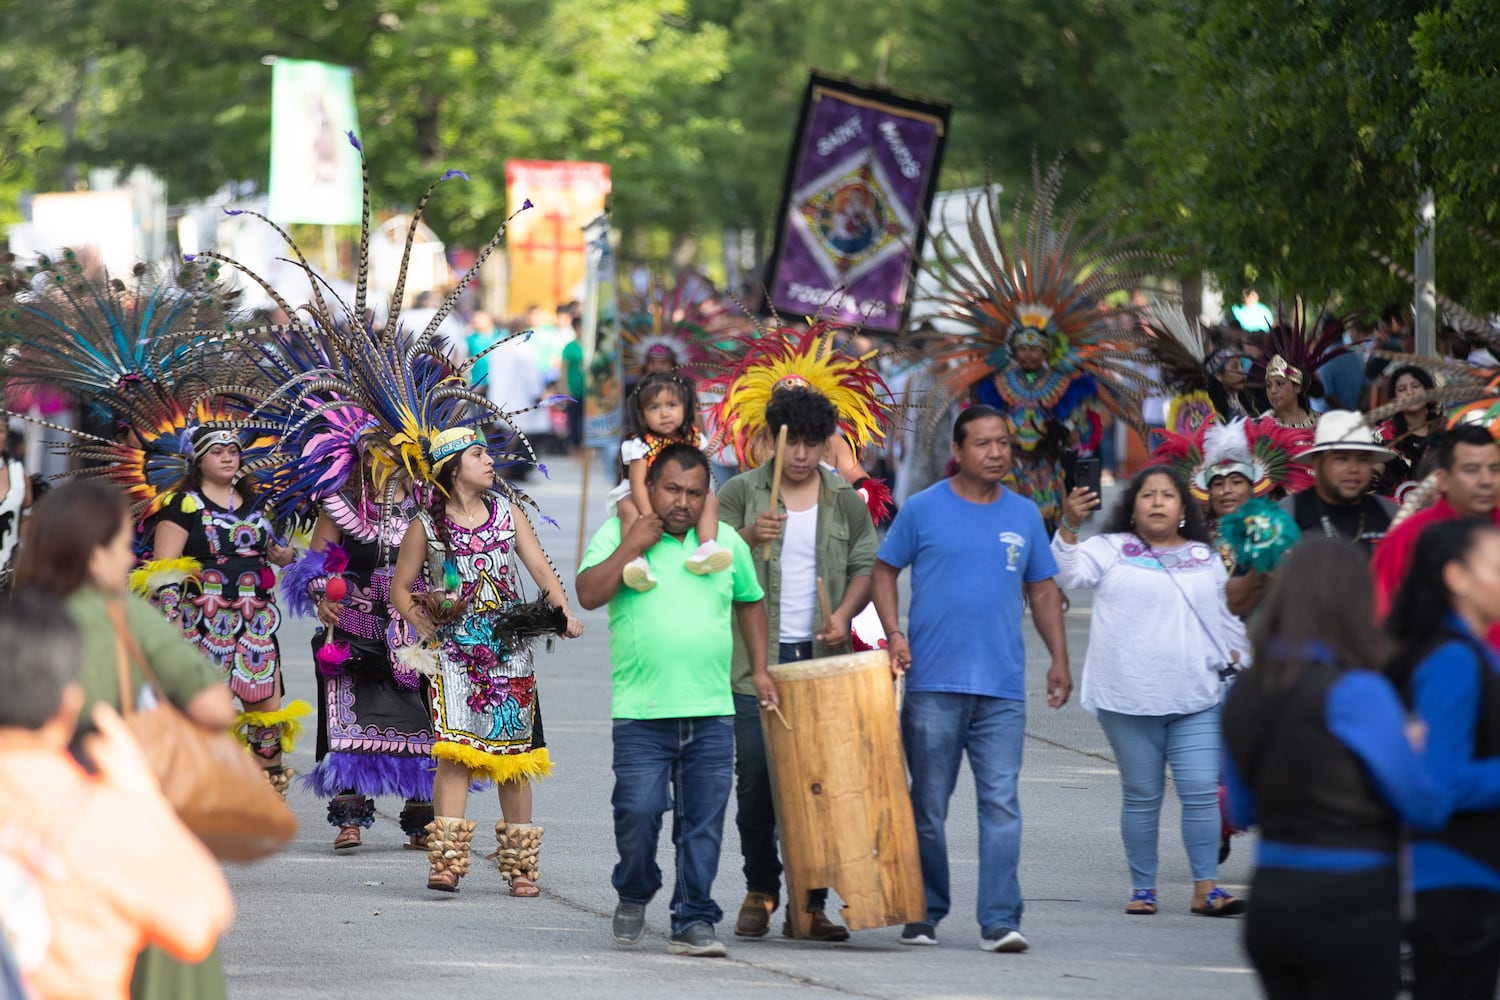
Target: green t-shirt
[(671, 646), (572, 356)]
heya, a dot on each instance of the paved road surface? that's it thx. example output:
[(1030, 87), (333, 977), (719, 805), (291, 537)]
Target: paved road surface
[(361, 924)]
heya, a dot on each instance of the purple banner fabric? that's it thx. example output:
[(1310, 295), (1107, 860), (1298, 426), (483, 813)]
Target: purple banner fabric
[(860, 182)]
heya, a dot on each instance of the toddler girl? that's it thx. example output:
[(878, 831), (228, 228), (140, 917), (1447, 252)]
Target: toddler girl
[(662, 414)]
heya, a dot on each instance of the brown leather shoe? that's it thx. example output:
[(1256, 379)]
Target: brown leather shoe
[(820, 928), (755, 915)]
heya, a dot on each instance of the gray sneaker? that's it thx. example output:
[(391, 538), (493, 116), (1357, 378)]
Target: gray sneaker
[(698, 941), (629, 925), (1004, 939)]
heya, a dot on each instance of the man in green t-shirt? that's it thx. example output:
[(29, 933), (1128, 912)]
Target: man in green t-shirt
[(576, 383), (670, 650)]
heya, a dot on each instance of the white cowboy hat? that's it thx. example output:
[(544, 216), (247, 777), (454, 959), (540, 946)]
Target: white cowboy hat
[(1344, 430)]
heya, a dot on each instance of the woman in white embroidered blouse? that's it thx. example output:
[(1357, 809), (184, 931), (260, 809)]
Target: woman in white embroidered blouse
[(1160, 646)]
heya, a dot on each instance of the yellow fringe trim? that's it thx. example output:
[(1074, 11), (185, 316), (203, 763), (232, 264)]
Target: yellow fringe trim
[(288, 717), (499, 768), (150, 577)]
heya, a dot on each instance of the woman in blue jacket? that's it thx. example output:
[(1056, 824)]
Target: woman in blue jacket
[(1449, 600), (1318, 755)]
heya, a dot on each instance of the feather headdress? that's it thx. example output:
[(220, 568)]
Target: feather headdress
[(387, 391), (786, 356), (1181, 350), (1038, 283), (681, 323), (151, 354), (1261, 450), (1297, 346)]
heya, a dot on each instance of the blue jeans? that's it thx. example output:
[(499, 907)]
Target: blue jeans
[(1144, 745), (685, 765), (936, 728), (755, 809)]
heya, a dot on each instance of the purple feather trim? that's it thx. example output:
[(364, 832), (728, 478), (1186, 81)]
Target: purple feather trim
[(543, 470), (234, 211), (189, 257), (526, 204), (331, 657), (298, 578), (453, 173), (371, 774), (354, 141)]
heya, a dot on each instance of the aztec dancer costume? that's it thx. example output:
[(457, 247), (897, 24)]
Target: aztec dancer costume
[(414, 411), (1047, 348)]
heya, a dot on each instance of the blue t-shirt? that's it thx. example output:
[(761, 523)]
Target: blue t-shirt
[(968, 562)]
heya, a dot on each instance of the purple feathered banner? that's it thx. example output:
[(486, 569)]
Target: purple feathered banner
[(860, 182)]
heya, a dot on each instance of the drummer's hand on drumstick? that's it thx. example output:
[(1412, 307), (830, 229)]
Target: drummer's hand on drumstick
[(835, 632), (1059, 684), (765, 528), (900, 652), (765, 688)]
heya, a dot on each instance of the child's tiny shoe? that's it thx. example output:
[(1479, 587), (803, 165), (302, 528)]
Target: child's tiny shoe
[(710, 557), (637, 575)]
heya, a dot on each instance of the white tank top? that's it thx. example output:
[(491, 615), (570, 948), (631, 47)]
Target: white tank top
[(799, 575)]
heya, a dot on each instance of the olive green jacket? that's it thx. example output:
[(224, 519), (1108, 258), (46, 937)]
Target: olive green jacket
[(846, 544)]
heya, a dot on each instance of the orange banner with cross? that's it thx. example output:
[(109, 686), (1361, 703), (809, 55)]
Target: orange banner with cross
[(545, 244)]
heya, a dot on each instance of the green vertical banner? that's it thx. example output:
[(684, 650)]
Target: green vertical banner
[(314, 170)]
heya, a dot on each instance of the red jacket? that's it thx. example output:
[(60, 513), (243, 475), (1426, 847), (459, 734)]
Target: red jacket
[(1392, 558)]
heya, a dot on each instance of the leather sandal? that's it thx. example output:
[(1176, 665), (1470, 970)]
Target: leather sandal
[(523, 887), (444, 881), (1219, 903), (1142, 903), (348, 836)]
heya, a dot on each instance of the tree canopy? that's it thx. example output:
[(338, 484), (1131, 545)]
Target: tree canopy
[(1282, 142)]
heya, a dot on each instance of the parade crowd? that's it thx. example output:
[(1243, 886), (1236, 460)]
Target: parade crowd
[(1296, 603)]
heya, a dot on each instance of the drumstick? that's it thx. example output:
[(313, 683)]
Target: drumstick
[(775, 480)]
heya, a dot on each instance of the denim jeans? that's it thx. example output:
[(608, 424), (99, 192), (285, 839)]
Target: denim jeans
[(1144, 745), (685, 765), (936, 728), (755, 809)]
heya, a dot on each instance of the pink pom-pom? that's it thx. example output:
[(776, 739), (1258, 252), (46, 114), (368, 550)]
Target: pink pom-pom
[(336, 590), (267, 578), (331, 658)]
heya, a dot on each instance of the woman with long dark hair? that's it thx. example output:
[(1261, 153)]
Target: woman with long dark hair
[(1162, 645), (1409, 432), (80, 551), (231, 612), (1318, 756), (1446, 672), (484, 704)]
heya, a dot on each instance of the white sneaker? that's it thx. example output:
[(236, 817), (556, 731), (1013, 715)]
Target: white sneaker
[(638, 576), (710, 557), (1004, 939)]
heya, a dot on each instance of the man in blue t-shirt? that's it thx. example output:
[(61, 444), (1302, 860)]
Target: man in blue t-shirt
[(978, 554)]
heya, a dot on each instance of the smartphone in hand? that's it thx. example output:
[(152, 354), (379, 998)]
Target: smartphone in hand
[(1086, 473)]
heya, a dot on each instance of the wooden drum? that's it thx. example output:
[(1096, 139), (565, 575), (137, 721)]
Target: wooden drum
[(838, 777)]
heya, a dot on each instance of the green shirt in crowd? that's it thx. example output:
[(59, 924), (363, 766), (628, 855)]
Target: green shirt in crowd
[(572, 358), (670, 647)]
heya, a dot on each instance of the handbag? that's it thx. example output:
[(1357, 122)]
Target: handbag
[(213, 783)]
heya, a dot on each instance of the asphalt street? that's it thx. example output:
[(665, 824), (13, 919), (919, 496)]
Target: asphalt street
[(361, 923)]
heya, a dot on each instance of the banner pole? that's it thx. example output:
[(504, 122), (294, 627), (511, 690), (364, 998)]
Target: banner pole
[(583, 506)]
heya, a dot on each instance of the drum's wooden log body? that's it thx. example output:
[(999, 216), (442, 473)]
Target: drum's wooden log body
[(839, 782)]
